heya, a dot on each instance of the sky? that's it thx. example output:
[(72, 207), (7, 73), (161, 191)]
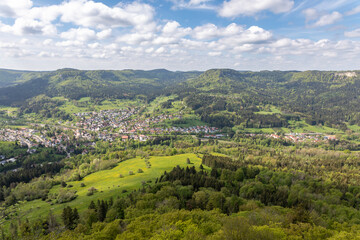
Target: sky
[(180, 34)]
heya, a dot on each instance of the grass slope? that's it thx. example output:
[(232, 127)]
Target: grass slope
[(108, 183)]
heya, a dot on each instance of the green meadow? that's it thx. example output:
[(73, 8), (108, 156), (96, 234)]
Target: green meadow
[(108, 183), (268, 111), (86, 105)]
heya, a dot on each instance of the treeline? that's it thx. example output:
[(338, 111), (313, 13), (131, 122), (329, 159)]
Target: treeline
[(44, 107), (227, 112), (26, 175)]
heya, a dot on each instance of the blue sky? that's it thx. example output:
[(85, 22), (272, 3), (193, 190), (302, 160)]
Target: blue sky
[(180, 34)]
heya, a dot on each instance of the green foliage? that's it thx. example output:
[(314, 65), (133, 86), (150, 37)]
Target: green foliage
[(70, 217)]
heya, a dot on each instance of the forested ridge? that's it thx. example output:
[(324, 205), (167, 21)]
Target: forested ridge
[(222, 97), (75, 84)]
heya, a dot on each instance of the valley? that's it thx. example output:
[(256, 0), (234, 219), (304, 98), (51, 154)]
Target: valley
[(100, 154)]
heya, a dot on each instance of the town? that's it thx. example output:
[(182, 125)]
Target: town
[(106, 125)]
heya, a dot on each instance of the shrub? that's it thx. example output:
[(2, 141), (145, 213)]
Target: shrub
[(140, 170), (82, 185), (131, 173), (91, 191), (65, 196)]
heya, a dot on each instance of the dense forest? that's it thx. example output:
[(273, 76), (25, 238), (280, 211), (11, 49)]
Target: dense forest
[(249, 188)]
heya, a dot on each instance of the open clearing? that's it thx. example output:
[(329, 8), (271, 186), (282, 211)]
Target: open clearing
[(108, 183)]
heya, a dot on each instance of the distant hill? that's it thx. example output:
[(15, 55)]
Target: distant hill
[(320, 97), (74, 84), (13, 77)]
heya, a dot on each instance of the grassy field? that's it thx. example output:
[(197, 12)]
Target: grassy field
[(254, 130), (86, 105), (297, 127), (355, 128), (154, 106), (11, 111), (272, 110), (108, 183), (303, 127)]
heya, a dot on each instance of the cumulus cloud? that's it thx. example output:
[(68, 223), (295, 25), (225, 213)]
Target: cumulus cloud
[(231, 36), (235, 8), (14, 8), (353, 34), (93, 14), (173, 28), (80, 34), (83, 13), (209, 31), (23, 26), (135, 38), (89, 26), (85, 34)]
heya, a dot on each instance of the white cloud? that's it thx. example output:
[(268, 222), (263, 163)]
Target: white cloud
[(165, 40), (135, 38), (69, 43), (85, 34), (149, 50), (104, 34), (209, 31), (192, 4), (328, 19), (24, 26), (48, 42), (46, 54), (235, 8), (354, 11), (14, 8), (353, 34), (244, 48), (80, 34), (139, 37), (160, 50), (98, 15), (172, 28), (45, 14), (214, 54), (7, 45), (311, 14), (94, 45), (254, 34)]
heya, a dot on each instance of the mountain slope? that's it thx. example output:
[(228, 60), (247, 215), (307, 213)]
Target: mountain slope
[(13, 77), (74, 84)]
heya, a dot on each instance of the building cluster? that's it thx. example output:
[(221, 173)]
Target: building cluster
[(95, 121), (24, 136), (107, 125)]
